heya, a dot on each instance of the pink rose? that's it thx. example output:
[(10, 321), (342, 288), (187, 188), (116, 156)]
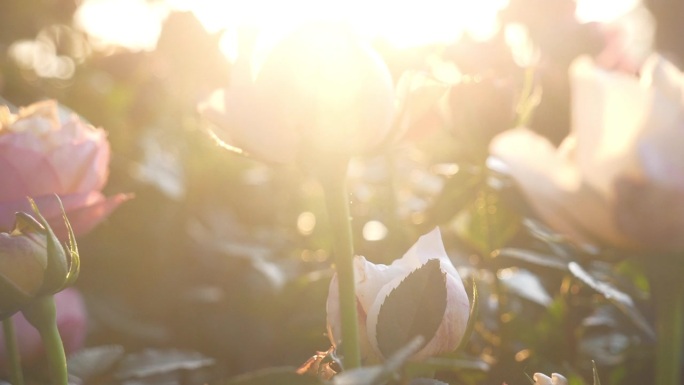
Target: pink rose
[(43, 153), (319, 89), (71, 322)]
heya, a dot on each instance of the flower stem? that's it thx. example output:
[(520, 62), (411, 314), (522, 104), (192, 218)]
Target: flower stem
[(42, 315), (12, 349), (669, 304), (337, 202)]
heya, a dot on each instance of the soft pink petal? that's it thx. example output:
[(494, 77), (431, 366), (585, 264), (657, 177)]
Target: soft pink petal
[(84, 211), (25, 172), (82, 167)]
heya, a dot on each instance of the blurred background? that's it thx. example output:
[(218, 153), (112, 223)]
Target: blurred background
[(225, 256)]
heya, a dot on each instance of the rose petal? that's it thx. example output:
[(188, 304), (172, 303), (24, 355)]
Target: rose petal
[(84, 211), (26, 172), (82, 166), (605, 134), (554, 188)]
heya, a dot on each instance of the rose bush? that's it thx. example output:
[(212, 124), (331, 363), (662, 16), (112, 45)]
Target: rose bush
[(42, 153), (319, 89), (618, 178), (374, 283), (71, 322)]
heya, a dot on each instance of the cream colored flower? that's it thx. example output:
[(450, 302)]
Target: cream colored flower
[(375, 282), (319, 89), (625, 139)]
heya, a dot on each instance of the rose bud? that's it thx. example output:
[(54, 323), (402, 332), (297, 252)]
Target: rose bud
[(318, 90), (33, 263), (422, 288)]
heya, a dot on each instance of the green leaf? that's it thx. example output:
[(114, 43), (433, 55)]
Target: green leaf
[(414, 308), (618, 298), (270, 376), (57, 268)]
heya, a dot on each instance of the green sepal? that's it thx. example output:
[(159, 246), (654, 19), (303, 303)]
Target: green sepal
[(57, 265)]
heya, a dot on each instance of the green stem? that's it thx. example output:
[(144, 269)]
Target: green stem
[(669, 304), (337, 202), (42, 315), (12, 349)]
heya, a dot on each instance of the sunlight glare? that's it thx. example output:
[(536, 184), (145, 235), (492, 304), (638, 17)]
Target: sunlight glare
[(133, 24), (603, 10)]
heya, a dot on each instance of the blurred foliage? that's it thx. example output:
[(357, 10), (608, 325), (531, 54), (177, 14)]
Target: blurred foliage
[(220, 265)]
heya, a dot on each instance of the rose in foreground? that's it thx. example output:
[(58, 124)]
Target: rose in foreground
[(319, 89), (556, 379), (42, 154), (71, 322), (618, 178), (375, 284)]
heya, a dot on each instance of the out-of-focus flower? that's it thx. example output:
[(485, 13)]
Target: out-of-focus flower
[(43, 153), (33, 263), (556, 379), (374, 283), (71, 322), (618, 178), (318, 90), (628, 40)]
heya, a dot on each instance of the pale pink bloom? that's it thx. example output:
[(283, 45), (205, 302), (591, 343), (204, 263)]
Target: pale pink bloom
[(318, 90), (374, 282), (42, 154), (71, 322), (618, 178)]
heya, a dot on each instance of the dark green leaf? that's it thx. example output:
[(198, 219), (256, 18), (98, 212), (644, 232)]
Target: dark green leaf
[(621, 300), (533, 257), (414, 308)]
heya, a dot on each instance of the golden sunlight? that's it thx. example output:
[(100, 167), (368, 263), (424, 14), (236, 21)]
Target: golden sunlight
[(136, 24)]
